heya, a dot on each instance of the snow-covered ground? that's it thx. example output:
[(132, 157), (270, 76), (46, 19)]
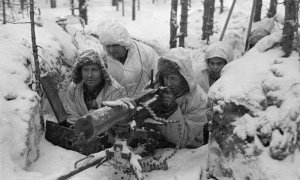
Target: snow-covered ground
[(58, 47)]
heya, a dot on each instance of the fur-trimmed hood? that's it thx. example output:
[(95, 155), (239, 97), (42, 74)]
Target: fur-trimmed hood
[(88, 57), (177, 60)]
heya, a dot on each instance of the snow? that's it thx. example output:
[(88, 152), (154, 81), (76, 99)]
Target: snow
[(265, 76), (268, 89)]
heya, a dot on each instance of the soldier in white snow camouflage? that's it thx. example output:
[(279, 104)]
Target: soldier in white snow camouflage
[(129, 62), (217, 55), (91, 85)]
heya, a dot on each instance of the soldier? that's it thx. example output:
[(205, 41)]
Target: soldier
[(91, 84), (129, 62), (216, 56), (184, 102)]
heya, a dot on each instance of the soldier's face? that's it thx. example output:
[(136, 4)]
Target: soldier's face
[(216, 65), (91, 75), (174, 82), (116, 51)]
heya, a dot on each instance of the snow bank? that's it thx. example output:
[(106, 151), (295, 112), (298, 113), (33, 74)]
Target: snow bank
[(20, 127), (257, 110)]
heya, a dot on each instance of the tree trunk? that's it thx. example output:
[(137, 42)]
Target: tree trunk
[(53, 3), (221, 6), (289, 26), (114, 2), (8, 3), (133, 10), (257, 13), (72, 7), (173, 24), (183, 22), (123, 8), (36, 69), (208, 19), (3, 12), (273, 8), (22, 2), (117, 6), (83, 10)]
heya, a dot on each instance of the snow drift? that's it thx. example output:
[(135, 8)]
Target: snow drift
[(20, 126), (256, 107)]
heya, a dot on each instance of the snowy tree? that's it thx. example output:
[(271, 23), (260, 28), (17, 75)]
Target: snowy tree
[(114, 2), (22, 4), (72, 7), (221, 6), (53, 3), (3, 12), (123, 8), (183, 22), (208, 19), (257, 13), (82, 6), (173, 24), (289, 25), (272, 9), (133, 10)]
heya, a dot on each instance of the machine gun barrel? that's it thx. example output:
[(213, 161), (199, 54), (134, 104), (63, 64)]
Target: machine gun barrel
[(100, 120)]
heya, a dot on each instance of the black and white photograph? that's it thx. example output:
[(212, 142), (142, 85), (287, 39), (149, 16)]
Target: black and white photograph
[(149, 90)]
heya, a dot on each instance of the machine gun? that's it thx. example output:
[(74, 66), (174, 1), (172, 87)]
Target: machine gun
[(120, 155), (114, 112), (86, 135)]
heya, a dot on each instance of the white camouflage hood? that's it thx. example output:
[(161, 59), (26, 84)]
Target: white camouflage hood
[(219, 49), (181, 58), (114, 33)]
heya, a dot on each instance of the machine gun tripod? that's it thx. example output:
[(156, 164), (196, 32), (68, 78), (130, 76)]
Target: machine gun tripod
[(121, 157)]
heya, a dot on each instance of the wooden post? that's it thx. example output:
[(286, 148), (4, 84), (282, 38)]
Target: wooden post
[(250, 25), (133, 10), (3, 11), (273, 9), (227, 20), (257, 13), (183, 22), (208, 19), (289, 26), (173, 24)]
